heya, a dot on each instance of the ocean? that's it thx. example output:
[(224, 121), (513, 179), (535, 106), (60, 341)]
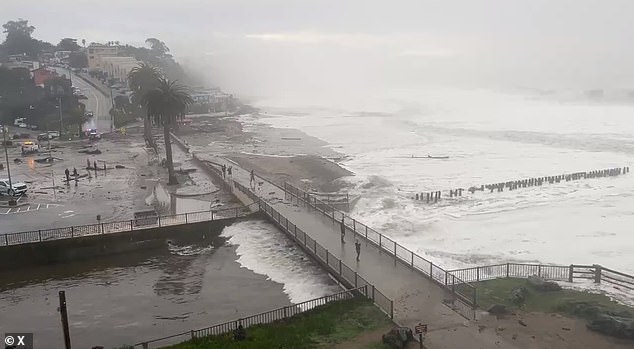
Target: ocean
[(489, 137)]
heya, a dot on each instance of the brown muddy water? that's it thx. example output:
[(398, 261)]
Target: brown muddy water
[(129, 298)]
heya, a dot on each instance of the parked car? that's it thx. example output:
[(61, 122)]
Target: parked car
[(29, 147), (89, 114), (15, 189), (93, 135), (23, 125), (47, 136)]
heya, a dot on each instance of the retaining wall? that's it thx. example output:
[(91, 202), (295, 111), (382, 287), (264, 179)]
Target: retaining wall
[(86, 247)]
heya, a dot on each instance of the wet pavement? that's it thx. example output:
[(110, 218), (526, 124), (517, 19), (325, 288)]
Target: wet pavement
[(115, 193)]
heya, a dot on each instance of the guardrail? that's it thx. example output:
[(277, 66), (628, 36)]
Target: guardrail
[(121, 226), (333, 264), (465, 299), (261, 318), (569, 273)]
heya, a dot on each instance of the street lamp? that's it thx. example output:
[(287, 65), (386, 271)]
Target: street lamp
[(61, 123), (111, 108)]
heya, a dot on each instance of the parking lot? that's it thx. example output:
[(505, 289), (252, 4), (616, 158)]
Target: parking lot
[(51, 201)]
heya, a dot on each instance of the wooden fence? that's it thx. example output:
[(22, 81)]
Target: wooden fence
[(569, 273)]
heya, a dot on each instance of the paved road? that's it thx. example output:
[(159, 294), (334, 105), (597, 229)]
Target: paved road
[(97, 102)]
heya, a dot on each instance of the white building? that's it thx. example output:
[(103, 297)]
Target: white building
[(118, 68), (97, 51)]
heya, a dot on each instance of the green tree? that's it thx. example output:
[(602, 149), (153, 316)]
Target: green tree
[(157, 46), (142, 79), (165, 104), (77, 116), (19, 40), (68, 44)]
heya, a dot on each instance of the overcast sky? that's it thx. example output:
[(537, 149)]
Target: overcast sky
[(255, 46)]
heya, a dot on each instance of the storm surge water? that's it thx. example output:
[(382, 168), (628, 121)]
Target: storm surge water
[(265, 250), (488, 137)]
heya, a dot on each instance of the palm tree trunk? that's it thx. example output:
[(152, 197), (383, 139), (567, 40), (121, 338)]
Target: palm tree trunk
[(168, 154), (147, 131)]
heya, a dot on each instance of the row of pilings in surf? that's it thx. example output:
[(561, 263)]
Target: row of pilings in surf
[(435, 196)]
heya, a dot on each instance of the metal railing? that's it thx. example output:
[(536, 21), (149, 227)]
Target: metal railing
[(261, 318), (122, 226), (568, 273), (334, 265), (462, 290)]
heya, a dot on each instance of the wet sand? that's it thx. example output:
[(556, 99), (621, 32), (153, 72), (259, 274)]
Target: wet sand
[(314, 169), (276, 154)]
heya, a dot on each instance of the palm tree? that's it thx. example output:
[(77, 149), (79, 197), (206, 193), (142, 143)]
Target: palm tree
[(142, 79), (165, 104)]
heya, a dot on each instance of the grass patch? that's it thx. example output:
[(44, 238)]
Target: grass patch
[(318, 328), (575, 303)]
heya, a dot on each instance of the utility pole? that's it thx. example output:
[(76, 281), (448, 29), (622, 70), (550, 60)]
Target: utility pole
[(111, 109), (12, 201), (61, 123), (64, 314)]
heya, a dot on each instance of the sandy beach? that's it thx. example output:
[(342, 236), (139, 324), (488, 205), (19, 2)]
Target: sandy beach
[(317, 168)]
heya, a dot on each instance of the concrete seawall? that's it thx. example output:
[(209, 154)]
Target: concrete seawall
[(86, 247)]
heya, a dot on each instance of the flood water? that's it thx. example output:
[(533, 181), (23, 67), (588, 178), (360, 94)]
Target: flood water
[(129, 298)]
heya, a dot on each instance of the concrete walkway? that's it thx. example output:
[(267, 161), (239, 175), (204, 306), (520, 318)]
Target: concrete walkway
[(416, 298)]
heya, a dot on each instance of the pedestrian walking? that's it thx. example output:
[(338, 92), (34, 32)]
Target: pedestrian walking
[(229, 170), (95, 165), (357, 246), (67, 172), (252, 181), (87, 163), (224, 171), (343, 231), (75, 172)]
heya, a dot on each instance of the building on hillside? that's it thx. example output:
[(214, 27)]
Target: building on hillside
[(29, 65), (47, 58), (17, 58), (41, 75), (96, 52), (118, 68), (61, 57), (202, 96)]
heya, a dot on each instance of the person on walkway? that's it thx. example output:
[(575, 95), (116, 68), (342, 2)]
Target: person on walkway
[(88, 163), (252, 181), (95, 165), (67, 172), (224, 171), (357, 246), (239, 334), (343, 231), (229, 170), (75, 172)]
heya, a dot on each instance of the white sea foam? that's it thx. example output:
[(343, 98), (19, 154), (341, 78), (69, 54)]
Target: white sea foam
[(490, 137), (267, 251)]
